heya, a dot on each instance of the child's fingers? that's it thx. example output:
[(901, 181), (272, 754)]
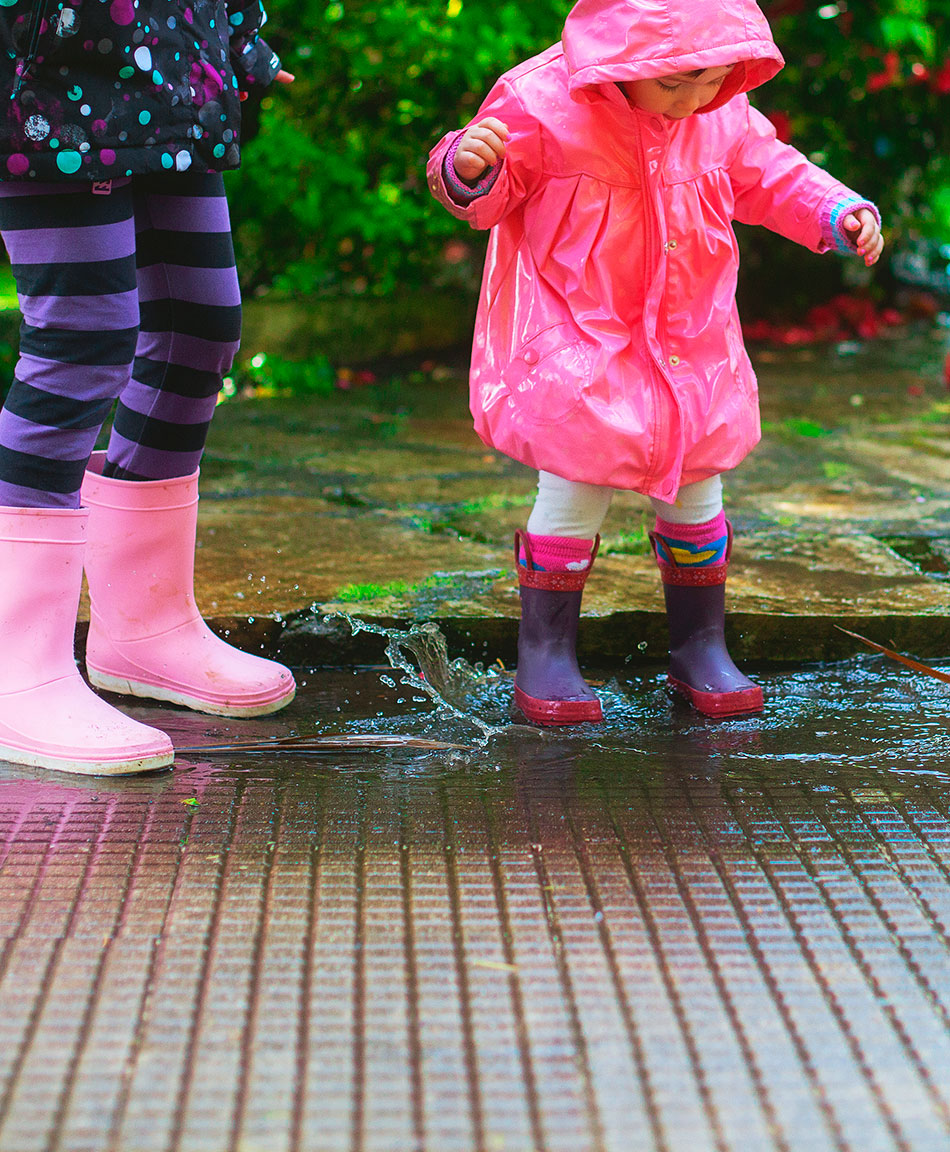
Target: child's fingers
[(865, 234), (485, 151), (477, 151), (873, 249), (485, 135), (471, 162), (869, 241), (493, 124), (283, 77), (482, 146)]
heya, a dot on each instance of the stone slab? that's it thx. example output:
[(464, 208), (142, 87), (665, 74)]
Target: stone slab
[(381, 503)]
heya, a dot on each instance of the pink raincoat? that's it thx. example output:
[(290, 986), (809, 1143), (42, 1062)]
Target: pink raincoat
[(607, 344)]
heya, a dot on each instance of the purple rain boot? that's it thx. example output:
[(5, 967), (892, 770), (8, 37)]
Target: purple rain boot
[(549, 687), (701, 668)]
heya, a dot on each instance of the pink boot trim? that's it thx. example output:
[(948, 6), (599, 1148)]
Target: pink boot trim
[(556, 712), (747, 700), (49, 718), (146, 635)]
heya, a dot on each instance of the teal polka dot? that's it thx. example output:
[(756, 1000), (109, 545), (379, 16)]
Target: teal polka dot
[(53, 143), (144, 117), (219, 150), (167, 161), (126, 72), (158, 78), (7, 3), (68, 162), (236, 19)]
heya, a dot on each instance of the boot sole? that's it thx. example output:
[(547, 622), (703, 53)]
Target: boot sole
[(124, 687), (87, 767), (721, 704), (557, 713)]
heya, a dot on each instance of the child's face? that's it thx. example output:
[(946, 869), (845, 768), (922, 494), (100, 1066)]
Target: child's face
[(678, 95)]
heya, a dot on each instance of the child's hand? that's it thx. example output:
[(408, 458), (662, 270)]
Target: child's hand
[(864, 232), (482, 146)]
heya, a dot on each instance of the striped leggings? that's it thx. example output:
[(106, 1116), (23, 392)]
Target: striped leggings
[(129, 297)]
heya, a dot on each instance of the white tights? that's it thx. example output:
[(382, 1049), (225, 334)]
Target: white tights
[(569, 508)]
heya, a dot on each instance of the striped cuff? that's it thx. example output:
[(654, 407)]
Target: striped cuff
[(461, 192), (833, 234)]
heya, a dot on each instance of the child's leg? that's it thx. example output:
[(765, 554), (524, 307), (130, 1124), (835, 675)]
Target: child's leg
[(692, 542), (555, 556), (568, 509), (189, 331), (146, 635), (73, 257)]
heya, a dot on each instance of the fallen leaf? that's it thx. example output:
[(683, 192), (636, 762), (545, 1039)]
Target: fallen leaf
[(497, 965)]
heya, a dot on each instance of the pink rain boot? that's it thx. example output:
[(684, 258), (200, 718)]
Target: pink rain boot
[(49, 718), (146, 636)]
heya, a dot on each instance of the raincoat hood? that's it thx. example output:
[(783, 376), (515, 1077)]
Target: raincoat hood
[(606, 41)]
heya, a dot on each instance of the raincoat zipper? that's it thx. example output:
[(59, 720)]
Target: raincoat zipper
[(659, 380), (29, 59)]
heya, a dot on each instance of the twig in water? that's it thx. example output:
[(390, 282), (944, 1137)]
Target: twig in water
[(322, 744), (892, 655)]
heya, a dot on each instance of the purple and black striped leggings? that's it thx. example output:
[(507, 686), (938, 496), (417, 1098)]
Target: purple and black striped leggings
[(130, 296)]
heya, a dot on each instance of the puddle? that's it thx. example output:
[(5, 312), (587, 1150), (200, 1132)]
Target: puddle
[(854, 721)]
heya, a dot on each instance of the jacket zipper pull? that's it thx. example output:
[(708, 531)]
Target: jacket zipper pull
[(28, 60)]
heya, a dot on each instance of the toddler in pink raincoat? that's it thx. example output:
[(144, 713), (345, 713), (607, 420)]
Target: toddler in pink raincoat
[(608, 351)]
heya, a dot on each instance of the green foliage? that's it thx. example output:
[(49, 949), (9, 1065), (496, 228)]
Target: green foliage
[(793, 427), (332, 198), (357, 593), (270, 375), (866, 89)]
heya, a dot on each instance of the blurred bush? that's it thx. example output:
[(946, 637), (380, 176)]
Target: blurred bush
[(332, 197)]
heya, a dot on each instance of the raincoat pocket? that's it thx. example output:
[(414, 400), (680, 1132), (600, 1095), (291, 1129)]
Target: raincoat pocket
[(549, 375)]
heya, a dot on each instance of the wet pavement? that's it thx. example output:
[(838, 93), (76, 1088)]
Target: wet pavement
[(663, 933)]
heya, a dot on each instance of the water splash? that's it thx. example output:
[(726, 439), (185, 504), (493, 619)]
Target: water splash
[(421, 654)]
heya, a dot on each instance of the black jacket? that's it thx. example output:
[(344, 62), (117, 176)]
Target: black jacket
[(97, 89)]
